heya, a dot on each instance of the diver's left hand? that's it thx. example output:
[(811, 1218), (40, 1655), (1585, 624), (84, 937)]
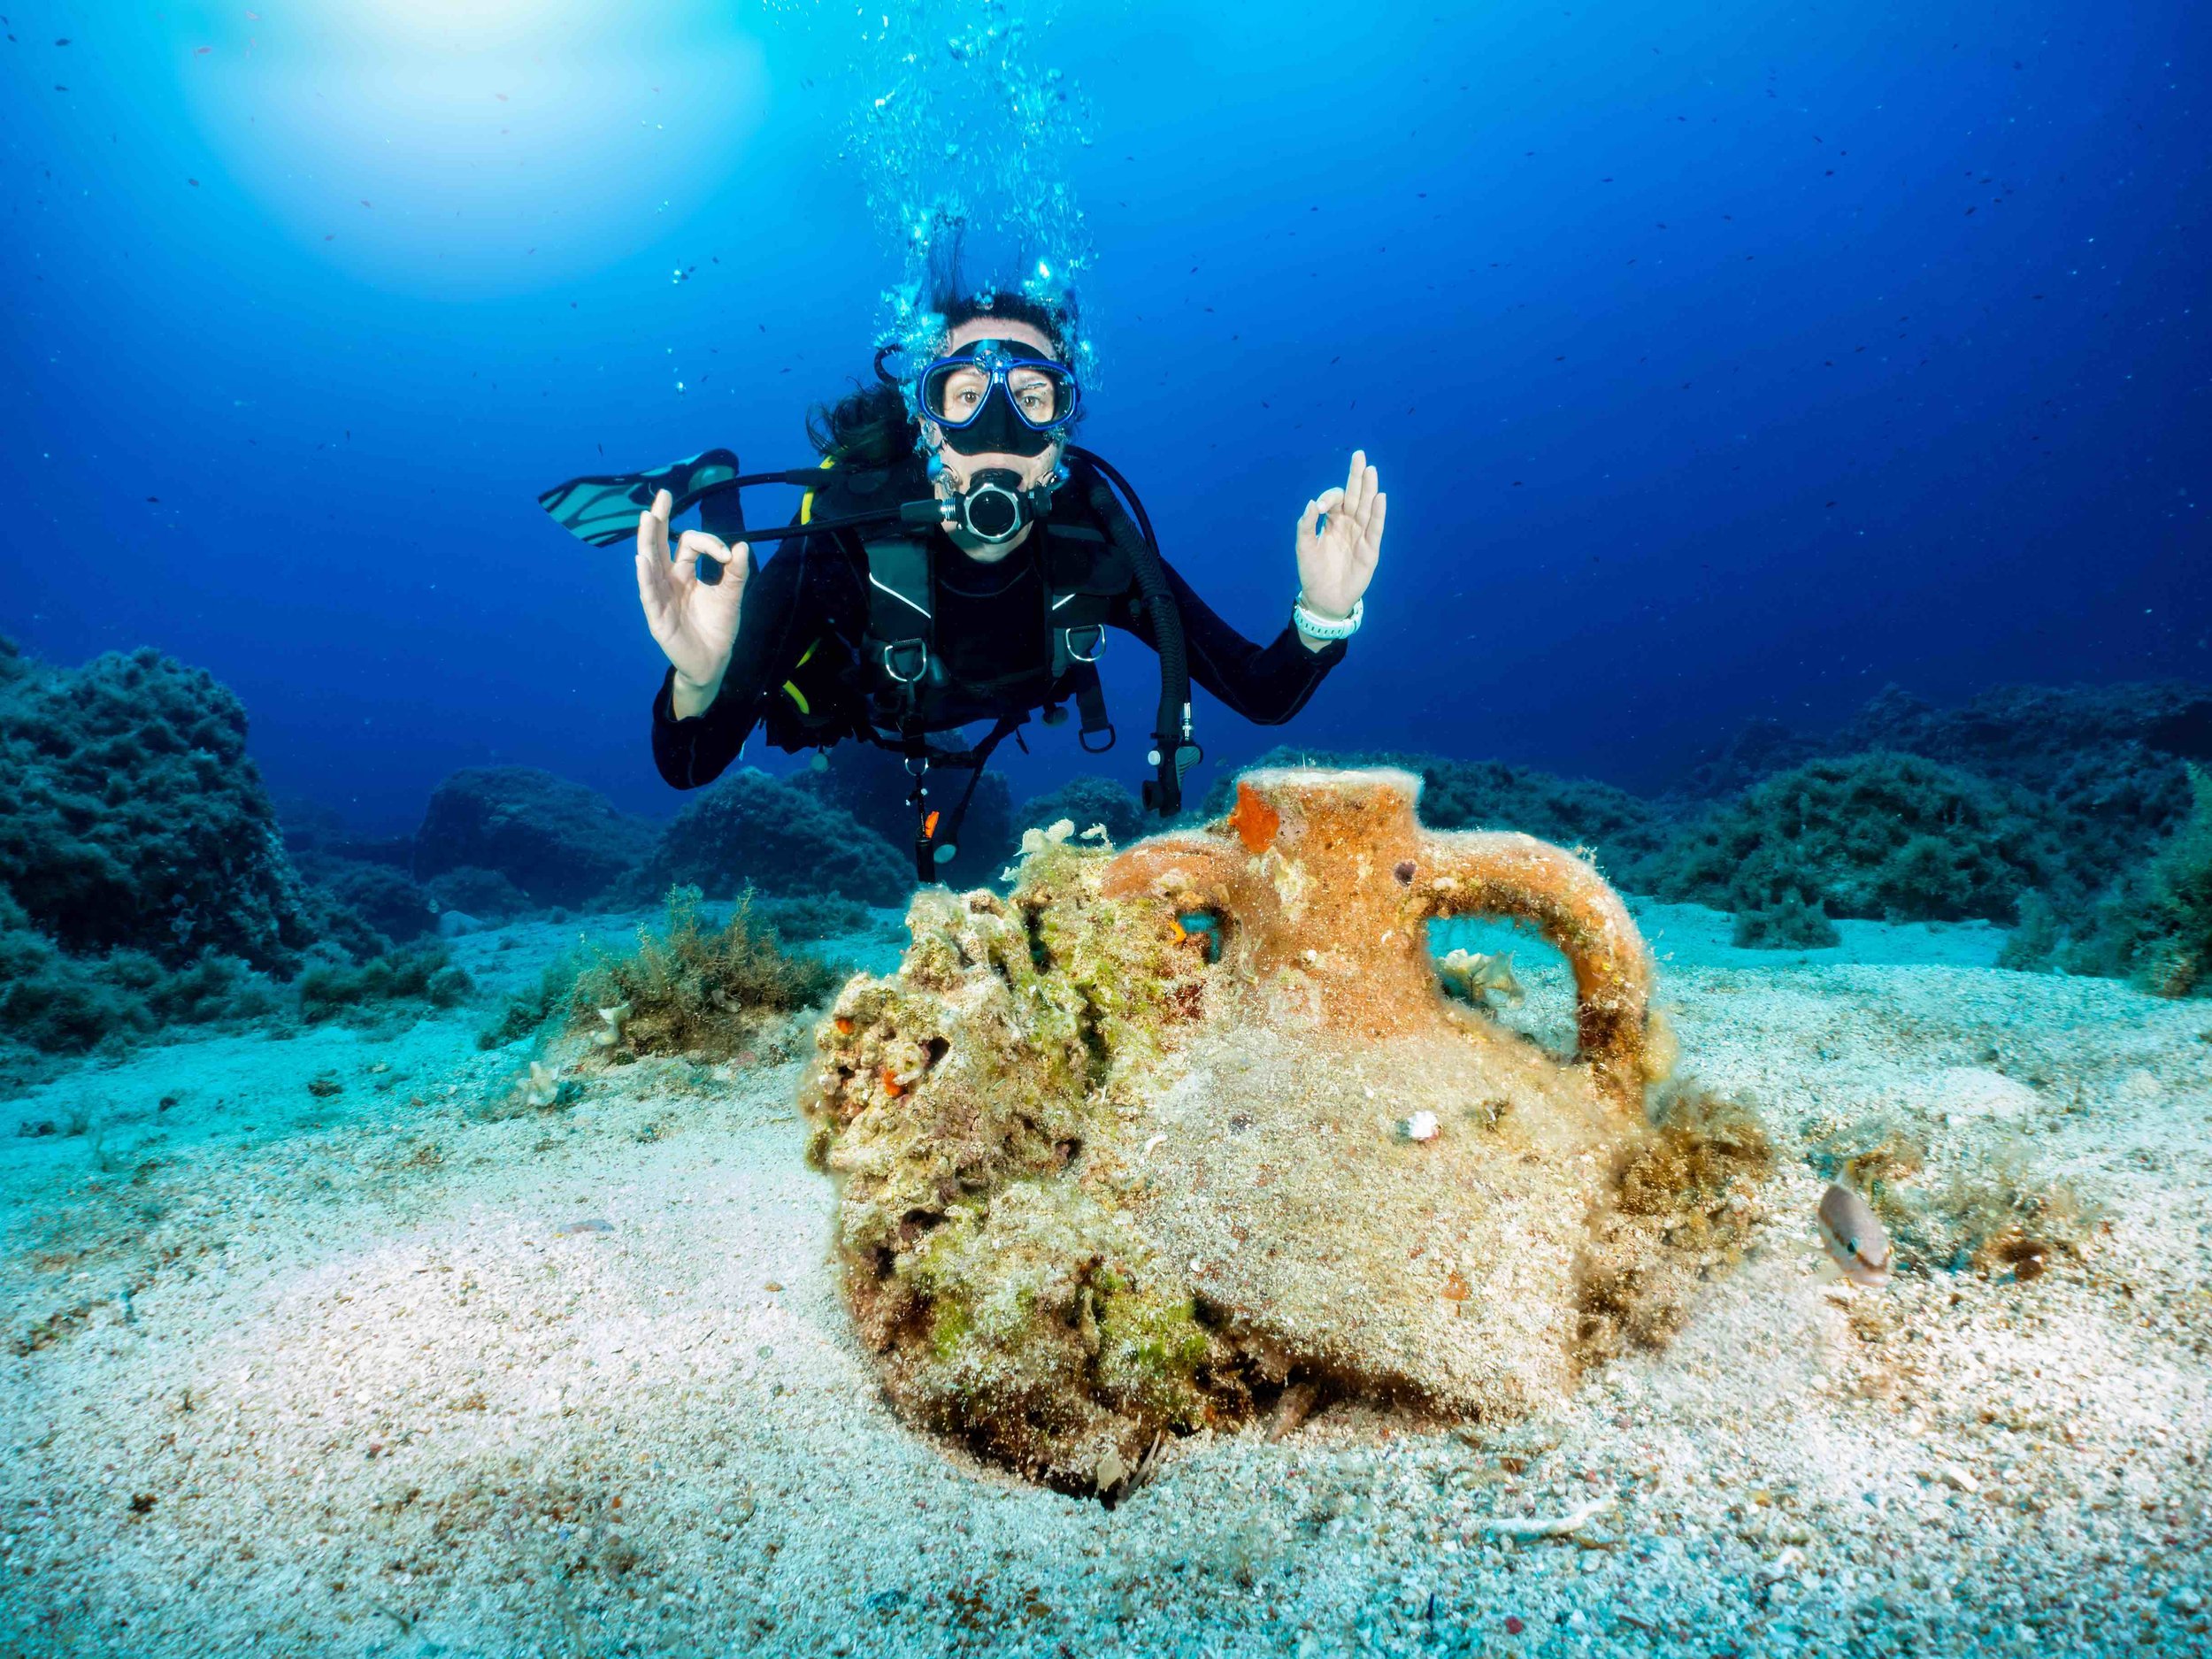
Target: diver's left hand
[(1336, 556)]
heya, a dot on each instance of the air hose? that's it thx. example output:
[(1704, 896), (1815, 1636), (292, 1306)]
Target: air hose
[(1173, 753)]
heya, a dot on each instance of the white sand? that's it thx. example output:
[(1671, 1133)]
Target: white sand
[(319, 1375)]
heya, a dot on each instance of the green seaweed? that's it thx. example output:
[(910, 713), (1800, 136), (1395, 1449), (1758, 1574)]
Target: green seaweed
[(426, 975), (1886, 836), (695, 990)]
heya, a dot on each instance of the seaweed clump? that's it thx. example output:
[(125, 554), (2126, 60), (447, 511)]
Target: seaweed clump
[(1687, 1199), (1012, 1308), (429, 975), (692, 989), (2155, 926), (52, 1003), (1882, 836)]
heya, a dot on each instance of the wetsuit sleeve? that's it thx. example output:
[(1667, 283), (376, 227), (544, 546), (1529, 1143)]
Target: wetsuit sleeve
[(693, 751), (1267, 684)]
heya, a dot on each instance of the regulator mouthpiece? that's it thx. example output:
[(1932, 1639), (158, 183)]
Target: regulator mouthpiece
[(995, 506)]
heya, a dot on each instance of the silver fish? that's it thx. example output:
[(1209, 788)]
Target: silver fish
[(1855, 1238)]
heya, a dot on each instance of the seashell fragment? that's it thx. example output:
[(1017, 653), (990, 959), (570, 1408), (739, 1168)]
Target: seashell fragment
[(1475, 977), (541, 1088)]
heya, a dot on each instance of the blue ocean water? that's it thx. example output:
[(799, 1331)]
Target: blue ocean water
[(396, 1264), (1719, 361)]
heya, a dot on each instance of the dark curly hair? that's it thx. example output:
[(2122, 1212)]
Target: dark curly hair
[(869, 426)]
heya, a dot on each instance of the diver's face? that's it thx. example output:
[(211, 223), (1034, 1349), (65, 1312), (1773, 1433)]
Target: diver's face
[(1034, 469)]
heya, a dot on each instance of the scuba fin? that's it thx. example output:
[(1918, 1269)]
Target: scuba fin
[(603, 510)]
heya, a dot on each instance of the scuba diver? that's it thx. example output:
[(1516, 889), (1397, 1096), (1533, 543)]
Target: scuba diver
[(955, 558)]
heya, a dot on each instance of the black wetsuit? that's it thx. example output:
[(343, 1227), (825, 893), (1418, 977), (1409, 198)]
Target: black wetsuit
[(985, 627)]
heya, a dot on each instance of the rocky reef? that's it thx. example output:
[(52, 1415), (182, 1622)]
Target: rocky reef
[(557, 841), (2106, 766), (1886, 835), (1109, 1173), (750, 830), (131, 817)]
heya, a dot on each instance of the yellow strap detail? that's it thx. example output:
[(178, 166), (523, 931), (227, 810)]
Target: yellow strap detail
[(806, 505), (792, 691)]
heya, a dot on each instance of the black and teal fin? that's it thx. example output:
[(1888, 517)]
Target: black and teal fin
[(603, 511)]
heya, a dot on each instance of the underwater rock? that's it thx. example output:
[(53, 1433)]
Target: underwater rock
[(1101, 1179), (131, 817), (558, 841), (2155, 925), (479, 892), (2106, 764), (751, 830), (381, 898), (1889, 836)]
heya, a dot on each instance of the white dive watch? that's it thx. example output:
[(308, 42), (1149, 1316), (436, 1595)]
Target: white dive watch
[(1321, 627)]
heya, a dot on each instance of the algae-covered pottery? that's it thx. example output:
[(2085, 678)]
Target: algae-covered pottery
[(1124, 1152)]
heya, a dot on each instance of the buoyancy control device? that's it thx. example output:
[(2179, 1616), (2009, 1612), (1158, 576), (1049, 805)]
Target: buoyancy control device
[(894, 691)]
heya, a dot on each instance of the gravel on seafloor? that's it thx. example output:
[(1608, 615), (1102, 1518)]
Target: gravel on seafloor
[(292, 1370)]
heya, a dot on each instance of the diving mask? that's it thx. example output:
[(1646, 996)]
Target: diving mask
[(997, 397)]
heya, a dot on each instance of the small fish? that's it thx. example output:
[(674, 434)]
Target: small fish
[(1475, 977), (594, 1225), (1855, 1238)]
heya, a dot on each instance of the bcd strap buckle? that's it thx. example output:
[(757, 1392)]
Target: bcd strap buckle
[(900, 652), (1094, 639)]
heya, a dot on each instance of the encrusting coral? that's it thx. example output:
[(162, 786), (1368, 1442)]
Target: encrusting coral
[(1108, 1173)]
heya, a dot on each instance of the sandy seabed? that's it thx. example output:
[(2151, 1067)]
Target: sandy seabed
[(293, 1370)]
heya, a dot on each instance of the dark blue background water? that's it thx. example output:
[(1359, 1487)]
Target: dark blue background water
[(1719, 360)]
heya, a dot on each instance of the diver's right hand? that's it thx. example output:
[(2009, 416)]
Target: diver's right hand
[(693, 622)]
